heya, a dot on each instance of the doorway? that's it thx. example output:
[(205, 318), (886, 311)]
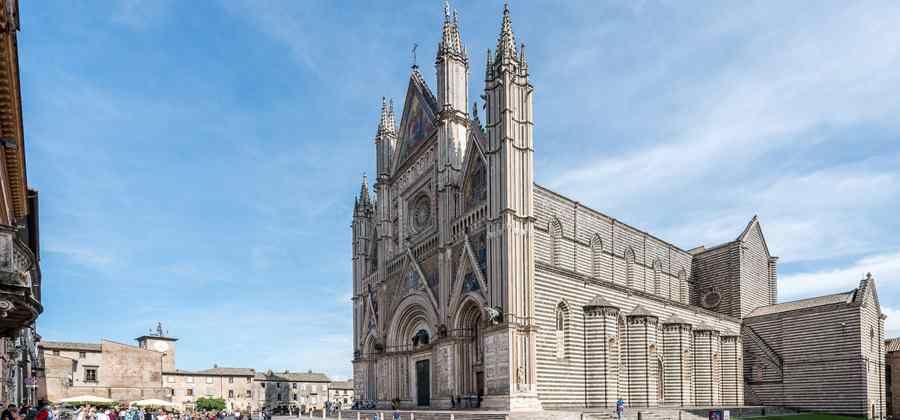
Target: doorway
[(423, 383)]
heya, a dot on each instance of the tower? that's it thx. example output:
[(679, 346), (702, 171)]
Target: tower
[(160, 341), (385, 147), (363, 231), (510, 243), (452, 65)]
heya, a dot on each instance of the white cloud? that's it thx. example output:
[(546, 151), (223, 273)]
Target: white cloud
[(139, 14), (720, 150), (885, 268), (892, 323)]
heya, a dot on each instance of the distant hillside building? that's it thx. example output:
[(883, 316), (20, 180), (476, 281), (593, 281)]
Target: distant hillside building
[(474, 286)]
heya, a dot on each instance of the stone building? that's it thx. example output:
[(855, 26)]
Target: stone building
[(824, 353), (292, 390), (892, 377), (20, 273), (341, 392), (148, 370), (108, 369), (236, 386), (474, 286)]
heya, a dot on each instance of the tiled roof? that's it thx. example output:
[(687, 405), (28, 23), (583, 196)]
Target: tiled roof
[(216, 371), (293, 376), (227, 371), (342, 385), (845, 297), (68, 345), (892, 344)]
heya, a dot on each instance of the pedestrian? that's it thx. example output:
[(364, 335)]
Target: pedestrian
[(9, 413), (620, 408), (43, 411)]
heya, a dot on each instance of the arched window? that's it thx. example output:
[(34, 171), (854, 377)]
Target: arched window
[(562, 328), (871, 338), (629, 267), (683, 287), (596, 255), (657, 278), (556, 234)]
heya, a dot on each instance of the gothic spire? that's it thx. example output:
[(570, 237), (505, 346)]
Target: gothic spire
[(364, 191), (386, 123), (506, 43), (451, 42)]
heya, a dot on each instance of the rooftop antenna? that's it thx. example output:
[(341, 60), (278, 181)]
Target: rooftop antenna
[(414, 55)]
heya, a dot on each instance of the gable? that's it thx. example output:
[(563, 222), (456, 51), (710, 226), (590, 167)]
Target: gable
[(417, 121), (474, 183), (753, 231)]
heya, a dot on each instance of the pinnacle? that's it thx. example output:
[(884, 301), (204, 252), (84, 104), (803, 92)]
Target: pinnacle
[(506, 43), (386, 123), (451, 42), (364, 190)]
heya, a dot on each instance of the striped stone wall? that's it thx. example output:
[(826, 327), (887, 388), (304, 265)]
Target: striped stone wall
[(571, 236), (635, 348), (814, 359), (755, 281), (718, 270), (678, 362)]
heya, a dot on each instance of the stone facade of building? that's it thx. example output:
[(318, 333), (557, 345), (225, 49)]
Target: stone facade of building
[(108, 369), (472, 285), (148, 370), (341, 392), (296, 390), (820, 354), (237, 386), (892, 377), (20, 272)]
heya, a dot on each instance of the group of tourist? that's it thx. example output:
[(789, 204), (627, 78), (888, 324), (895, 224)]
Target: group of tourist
[(26, 412)]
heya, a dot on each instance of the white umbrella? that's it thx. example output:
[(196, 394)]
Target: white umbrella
[(153, 402), (87, 399)]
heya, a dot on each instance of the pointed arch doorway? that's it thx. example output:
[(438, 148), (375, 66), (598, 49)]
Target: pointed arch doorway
[(470, 333)]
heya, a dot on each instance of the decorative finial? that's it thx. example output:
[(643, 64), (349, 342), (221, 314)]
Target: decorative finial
[(446, 10), (414, 55), (506, 43), (869, 276)]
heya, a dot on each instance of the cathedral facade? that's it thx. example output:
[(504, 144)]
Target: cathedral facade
[(475, 287)]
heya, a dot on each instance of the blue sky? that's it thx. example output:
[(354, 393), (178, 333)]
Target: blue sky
[(197, 161)]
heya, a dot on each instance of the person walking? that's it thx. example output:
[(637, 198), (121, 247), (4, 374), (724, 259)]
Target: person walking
[(9, 413), (620, 409)]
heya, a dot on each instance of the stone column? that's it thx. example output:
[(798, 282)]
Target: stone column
[(707, 378), (732, 369), (643, 358), (601, 353), (678, 361)]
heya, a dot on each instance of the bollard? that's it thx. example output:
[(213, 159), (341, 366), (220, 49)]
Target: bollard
[(452, 417), (358, 416), (412, 416), (323, 413)]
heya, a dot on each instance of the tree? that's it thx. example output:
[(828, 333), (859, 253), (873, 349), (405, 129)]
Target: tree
[(210, 404)]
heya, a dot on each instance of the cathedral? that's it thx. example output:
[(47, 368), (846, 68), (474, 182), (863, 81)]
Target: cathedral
[(474, 287)]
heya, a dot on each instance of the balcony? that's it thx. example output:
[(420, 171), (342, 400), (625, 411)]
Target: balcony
[(18, 305)]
